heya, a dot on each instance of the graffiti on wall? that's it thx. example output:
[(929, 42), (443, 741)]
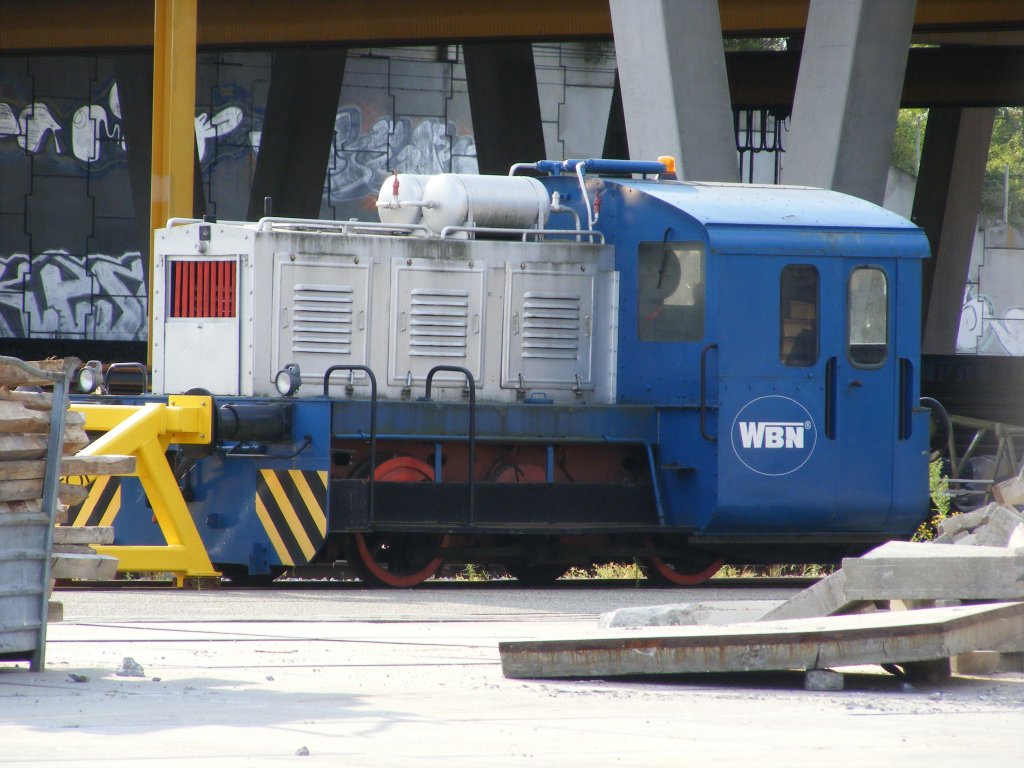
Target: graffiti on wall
[(66, 293), (57, 294), (366, 151), (94, 127), (982, 331)]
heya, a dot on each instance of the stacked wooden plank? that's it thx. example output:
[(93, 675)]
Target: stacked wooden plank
[(25, 539)]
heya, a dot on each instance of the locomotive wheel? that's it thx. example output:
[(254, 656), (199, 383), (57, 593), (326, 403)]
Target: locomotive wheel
[(684, 570), (398, 560), (385, 559), (527, 573)]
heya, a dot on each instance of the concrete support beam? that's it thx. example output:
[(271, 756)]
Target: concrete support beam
[(134, 73), (298, 126), (504, 104), (675, 92), (848, 95), (616, 145), (946, 206)]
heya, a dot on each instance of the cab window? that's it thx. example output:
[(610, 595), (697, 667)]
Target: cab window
[(798, 316), (868, 321), (670, 291)]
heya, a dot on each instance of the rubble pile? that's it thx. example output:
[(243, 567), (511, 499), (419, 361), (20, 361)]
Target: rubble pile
[(994, 525)]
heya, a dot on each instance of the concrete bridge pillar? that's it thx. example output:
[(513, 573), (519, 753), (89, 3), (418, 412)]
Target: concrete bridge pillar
[(675, 92), (946, 206), (503, 100), (848, 95), (298, 127)]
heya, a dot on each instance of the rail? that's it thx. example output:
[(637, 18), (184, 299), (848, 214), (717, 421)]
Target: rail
[(472, 423), (594, 236), (373, 419)]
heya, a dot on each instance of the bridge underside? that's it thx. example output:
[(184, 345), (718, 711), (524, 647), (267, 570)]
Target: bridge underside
[(678, 95)]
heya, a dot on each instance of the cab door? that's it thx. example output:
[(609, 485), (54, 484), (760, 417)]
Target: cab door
[(776, 467), (809, 388), (863, 393)]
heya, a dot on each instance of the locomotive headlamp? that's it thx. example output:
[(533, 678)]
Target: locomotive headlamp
[(288, 380), (90, 376)]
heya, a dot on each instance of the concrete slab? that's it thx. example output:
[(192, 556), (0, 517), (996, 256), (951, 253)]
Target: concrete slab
[(835, 641), (826, 598), (964, 522), (1002, 526), (823, 680), (914, 571), (686, 614)]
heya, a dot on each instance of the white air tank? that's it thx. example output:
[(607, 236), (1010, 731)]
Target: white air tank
[(390, 206), (518, 202)]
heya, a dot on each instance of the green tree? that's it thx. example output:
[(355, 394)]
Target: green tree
[(1006, 149), (910, 128)]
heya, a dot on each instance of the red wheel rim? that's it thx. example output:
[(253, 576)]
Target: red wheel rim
[(401, 469), (668, 572), (391, 578)]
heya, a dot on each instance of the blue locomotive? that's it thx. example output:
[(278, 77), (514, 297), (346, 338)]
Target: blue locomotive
[(584, 361)]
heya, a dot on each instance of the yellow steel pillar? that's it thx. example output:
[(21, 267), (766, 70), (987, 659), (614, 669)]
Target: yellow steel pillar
[(174, 112)]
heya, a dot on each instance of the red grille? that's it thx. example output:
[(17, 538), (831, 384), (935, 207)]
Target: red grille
[(203, 289)]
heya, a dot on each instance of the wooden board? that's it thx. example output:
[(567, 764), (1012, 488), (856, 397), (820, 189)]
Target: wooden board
[(72, 494), (22, 470), (12, 376), (82, 534), (40, 401), (22, 490), (16, 417), (70, 566), (75, 439), (24, 507), (97, 465), (15, 447), (70, 466)]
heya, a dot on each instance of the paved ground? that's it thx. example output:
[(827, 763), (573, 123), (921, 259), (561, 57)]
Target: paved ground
[(366, 678)]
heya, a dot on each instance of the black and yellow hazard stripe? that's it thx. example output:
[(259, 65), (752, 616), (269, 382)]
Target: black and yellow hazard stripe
[(102, 504), (292, 506)]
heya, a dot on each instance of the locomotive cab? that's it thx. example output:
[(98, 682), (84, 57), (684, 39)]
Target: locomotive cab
[(777, 330)]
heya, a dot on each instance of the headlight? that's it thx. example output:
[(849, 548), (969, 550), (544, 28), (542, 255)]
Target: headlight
[(288, 380), (90, 376)]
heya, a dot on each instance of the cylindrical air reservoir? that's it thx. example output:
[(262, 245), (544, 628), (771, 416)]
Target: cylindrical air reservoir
[(517, 202), (410, 188)]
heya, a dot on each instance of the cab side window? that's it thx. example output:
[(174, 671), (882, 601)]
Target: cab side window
[(867, 298), (798, 315), (670, 291)]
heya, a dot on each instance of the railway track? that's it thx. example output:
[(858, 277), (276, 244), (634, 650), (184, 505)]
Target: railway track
[(348, 583)]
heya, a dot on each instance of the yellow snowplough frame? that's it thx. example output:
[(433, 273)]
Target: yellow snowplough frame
[(145, 432)]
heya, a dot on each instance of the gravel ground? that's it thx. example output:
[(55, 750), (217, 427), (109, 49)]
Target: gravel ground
[(368, 678)]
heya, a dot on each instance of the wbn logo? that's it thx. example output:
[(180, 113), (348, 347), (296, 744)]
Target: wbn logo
[(773, 435)]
